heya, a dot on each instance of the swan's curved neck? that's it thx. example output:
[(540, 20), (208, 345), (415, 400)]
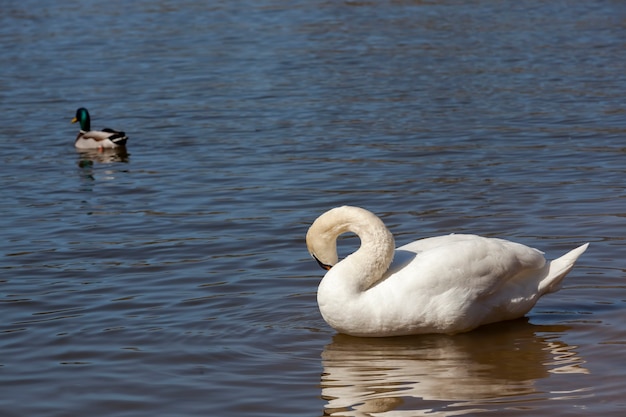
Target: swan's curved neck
[(364, 268)]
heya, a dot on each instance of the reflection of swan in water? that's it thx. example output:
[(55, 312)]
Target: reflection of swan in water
[(440, 375)]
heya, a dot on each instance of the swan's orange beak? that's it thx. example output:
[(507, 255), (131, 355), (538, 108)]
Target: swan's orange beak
[(322, 265)]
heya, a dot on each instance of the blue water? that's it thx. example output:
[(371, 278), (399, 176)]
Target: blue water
[(173, 279)]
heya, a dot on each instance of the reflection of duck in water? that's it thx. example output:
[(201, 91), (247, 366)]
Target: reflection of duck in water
[(87, 159), (88, 156), (96, 139), (440, 375), (445, 284)]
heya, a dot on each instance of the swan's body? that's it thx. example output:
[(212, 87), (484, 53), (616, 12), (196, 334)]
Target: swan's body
[(446, 284), (96, 139)]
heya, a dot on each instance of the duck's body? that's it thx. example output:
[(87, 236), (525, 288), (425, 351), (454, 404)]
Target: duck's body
[(96, 139), (446, 284)]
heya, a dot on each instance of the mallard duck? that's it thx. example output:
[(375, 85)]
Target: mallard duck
[(96, 139), (445, 284)]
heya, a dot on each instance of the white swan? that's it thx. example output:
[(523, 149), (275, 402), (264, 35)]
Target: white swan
[(446, 284)]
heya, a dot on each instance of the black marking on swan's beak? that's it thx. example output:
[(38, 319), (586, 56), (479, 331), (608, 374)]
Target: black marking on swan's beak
[(322, 265)]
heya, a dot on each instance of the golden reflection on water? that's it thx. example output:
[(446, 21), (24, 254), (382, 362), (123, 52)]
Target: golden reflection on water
[(439, 375)]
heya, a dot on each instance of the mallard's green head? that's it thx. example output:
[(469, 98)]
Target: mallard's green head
[(82, 116)]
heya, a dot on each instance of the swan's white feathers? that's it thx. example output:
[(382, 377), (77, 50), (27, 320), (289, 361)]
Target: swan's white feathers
[(445, 284)]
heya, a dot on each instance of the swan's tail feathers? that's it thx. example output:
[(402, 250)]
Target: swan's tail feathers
[(558, 268)]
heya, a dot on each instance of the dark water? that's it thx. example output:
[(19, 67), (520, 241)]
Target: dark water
[(173, 280)]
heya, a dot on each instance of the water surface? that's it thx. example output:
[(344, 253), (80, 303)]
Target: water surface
[(172, 279)]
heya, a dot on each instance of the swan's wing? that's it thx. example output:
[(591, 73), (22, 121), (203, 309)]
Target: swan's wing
[(437, 241), (476, 264)]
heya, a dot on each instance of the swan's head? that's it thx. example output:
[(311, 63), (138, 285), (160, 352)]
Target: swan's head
[(322, 244), (321, 239)]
